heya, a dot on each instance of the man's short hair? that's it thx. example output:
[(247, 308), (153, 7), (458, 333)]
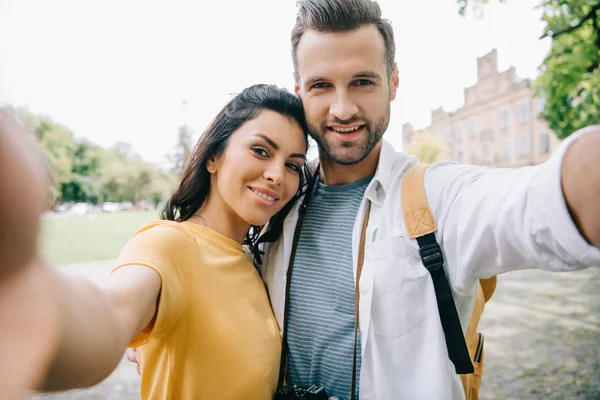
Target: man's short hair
[(329, 16)]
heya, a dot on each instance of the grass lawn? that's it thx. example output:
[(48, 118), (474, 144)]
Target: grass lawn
[(69, 239)]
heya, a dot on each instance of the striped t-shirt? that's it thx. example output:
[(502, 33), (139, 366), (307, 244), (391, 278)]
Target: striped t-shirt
[(322, 292)]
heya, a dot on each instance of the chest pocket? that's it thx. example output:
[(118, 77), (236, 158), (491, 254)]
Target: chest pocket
[(397, 295)]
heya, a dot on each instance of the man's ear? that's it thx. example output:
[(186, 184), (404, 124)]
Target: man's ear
[(296, 84), (394, 82)]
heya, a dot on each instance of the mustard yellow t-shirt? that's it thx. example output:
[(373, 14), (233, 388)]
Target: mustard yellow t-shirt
[(214, 335)]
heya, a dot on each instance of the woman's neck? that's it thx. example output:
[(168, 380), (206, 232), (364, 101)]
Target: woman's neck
[(218, 216)]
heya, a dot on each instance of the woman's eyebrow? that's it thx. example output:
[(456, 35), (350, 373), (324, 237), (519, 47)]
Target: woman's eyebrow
[(276, 146), (268, 140)]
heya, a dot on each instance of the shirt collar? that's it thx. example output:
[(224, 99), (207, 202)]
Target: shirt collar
[(389, 161)]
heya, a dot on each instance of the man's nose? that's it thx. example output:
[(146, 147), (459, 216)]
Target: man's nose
[(343, 108)]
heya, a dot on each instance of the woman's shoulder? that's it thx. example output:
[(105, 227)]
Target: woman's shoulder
[(164, 233)]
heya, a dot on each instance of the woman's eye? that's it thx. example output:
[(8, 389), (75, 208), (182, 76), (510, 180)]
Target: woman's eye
[(294, 167), (260, 151)]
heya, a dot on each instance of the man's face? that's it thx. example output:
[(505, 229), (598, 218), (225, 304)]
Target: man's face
[(346, 91)]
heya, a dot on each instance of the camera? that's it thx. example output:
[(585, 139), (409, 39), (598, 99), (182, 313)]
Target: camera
[(295, 392)]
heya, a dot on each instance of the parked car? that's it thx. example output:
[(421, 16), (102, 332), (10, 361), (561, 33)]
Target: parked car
[(111, 207), (80, 208)]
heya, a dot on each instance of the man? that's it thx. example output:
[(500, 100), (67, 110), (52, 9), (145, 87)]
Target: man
[(490, 222)]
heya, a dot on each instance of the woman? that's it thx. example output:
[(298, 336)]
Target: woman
[(184, 289)]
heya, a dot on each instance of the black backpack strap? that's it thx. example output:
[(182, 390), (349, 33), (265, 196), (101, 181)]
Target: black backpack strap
[(431, 255), (420, 224)]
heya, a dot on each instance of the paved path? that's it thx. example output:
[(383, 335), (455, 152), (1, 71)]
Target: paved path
[(542, 339)]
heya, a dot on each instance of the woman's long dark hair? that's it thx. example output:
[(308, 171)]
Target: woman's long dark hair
[(194, 186)]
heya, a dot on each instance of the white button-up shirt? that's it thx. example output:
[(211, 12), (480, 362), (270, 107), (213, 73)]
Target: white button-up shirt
[(490, 221)]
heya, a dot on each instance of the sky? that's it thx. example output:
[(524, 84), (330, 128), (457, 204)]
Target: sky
[(120, 70)]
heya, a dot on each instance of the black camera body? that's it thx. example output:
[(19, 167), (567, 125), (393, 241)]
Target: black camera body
[(295, 392)]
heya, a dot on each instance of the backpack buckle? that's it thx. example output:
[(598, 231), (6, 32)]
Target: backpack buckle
[(432, 258)]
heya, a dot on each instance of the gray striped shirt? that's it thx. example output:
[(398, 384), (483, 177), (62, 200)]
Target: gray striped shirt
[(322, 292)]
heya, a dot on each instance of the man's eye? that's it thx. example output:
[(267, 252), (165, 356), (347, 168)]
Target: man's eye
[(320, 85), (260, 151), (363, 82)]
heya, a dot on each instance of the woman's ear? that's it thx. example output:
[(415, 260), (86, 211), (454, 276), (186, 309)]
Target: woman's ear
[(211, 165)]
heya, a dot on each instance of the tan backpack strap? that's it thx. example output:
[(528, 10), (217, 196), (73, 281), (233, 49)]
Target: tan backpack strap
[(418, 217), (488, 287)]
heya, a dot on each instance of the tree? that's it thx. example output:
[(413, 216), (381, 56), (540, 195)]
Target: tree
[(477, 6), (84, 185), (570, 74), (426, 147), (183, 149), (56, 143), (85, 172), (569, 77)]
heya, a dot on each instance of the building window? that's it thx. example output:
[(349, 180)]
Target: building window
[(473, 156), (438, 135), (505, 151), (458, 131), (541, 104), (523, 113), (472, 128), (544, 143), (503, 119), (487, 154), (524, 147), (449, 134), (459, 157)]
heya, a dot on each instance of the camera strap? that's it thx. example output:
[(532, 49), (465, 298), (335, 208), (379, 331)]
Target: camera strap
[(283, 370), (361, 259)]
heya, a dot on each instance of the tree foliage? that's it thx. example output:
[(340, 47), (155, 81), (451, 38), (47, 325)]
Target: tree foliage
[(84, 172), (570, 74), (569, 77), (426, 147)]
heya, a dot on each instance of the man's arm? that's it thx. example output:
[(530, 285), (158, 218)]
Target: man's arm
[(581, 184), (493, 221)]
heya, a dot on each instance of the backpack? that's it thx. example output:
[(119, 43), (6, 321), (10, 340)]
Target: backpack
[(465, 352)]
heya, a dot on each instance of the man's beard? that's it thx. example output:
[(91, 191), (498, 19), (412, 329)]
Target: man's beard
[(350, 153)]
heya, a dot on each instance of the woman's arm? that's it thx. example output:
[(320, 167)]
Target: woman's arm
[(57, 332), (98, 324)]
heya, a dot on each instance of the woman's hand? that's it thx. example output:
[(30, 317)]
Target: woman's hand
[(29, 309)]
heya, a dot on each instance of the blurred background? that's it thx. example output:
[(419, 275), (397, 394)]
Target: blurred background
[(117, 92)]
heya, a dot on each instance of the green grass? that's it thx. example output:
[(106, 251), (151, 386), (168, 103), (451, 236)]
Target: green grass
[(67, 239)]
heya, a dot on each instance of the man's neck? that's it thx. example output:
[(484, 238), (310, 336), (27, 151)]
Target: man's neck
[(334, 174)]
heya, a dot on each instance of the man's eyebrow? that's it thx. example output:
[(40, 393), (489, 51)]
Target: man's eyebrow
[(367, 74), (314, 80), (276, 146)]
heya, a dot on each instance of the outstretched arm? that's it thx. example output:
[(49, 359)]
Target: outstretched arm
[(57, 332), (29, 312), (493, 221), (99, 323), (581, 184)]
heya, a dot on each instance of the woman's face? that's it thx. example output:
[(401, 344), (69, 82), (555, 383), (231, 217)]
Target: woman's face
[(259, 171)]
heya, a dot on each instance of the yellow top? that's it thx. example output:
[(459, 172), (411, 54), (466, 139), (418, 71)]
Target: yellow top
[(214, 335)]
